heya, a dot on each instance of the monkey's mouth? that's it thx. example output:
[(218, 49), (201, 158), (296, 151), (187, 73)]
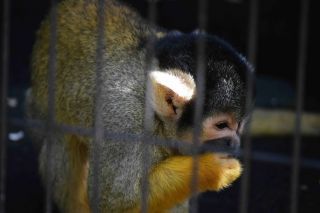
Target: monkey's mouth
[(222, 146)]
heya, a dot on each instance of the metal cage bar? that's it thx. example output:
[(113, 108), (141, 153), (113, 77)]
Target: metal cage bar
[(3, 97), (98, 130), (148, 111), (301, 68), (51, 104), (247, 155), (200, 88)]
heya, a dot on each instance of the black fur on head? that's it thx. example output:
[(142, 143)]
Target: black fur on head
[(226, 72)]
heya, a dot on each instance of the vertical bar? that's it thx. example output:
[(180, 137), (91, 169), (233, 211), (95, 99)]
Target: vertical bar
[(51, 103), (3, 97), (148, 113), (252, 50), (299, 104), (98, 120), (200, 89)]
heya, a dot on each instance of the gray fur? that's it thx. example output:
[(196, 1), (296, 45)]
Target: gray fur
[(122, 98)]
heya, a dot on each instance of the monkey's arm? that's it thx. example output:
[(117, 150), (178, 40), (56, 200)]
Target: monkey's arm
[(170, 181)]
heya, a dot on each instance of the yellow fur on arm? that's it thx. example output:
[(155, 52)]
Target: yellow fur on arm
[(170, 181), (77, 180)]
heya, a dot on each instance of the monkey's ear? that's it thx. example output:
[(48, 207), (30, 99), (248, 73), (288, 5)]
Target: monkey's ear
[(171, 90)]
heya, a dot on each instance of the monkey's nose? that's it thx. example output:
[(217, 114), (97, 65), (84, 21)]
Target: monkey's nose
[(234, 143), (229, 145)]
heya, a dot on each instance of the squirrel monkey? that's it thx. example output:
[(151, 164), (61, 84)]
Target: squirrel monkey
[(173, 97)]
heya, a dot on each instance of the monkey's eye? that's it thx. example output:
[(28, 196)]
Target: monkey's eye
[(222, 125), (170, 102)]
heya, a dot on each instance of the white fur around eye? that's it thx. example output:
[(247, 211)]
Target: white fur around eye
[(172, 82)]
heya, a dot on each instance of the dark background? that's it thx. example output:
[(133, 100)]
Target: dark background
[(276, 66)]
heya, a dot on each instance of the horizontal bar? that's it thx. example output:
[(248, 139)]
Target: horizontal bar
[(269, 122), (127, 137), (284, 159)]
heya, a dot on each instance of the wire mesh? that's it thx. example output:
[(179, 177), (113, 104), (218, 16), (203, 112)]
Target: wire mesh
[(99, 134)]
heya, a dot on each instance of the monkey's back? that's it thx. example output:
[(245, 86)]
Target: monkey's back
[(122, 71)]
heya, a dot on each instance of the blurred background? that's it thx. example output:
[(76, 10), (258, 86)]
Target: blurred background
[(276, 67)]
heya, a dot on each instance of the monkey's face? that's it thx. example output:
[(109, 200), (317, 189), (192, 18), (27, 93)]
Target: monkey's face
[(221, 131), (173, 99), (174, 89)]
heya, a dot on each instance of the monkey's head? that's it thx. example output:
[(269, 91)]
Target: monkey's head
[(225, 88)]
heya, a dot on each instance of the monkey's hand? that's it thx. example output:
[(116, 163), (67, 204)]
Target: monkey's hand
[(170, 181), (222, 171)]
